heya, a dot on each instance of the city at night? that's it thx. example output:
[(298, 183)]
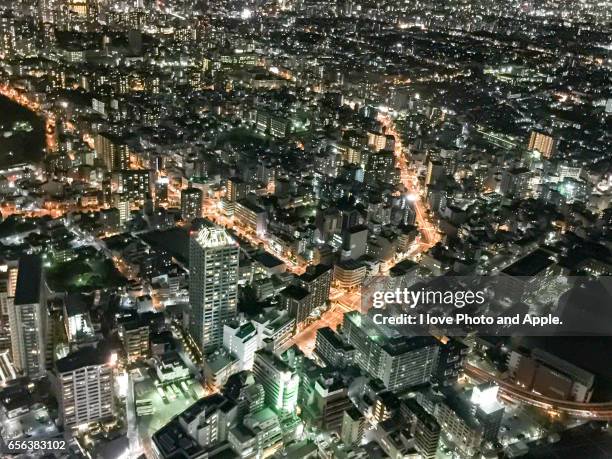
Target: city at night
[(306, 229)]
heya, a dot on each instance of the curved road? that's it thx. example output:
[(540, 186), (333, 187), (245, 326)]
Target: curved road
[(598, 411)]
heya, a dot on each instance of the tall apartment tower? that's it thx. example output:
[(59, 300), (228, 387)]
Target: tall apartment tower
[(28, 318), (236, 189), (112, 152), (83, 383), (191, 203), (213, 277)]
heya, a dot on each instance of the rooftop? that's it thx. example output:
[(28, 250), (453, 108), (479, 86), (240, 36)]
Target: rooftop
[(212, 237), (86, 356), (530, 265), (29, 280)]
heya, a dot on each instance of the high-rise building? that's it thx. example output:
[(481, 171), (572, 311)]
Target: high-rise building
[(487, 409), (450, 361), (241, 341), (355, 242), (549, 375), (77, 321), (191, 203), (135, 184), (213, 277), (298, 301), (317, 280), (328, 222), (515, 182), (544, 143), (377, 141), (332, 349), (424, 428), (134, 334), (28, 318), (114, 154), (381, 167), (122, 204), (236, 189), (329, 402), (349, 274), (435, 170), (83, 383), (279, 380), (398, 361)]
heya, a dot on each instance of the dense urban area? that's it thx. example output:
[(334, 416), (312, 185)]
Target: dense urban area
[(195, 196)]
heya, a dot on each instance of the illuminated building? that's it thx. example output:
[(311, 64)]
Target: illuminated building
[(298, 301), (134, 334), (377, 141), (274, 329), (259, 435), (191, 203), (237, 189), (28, 318), (407, 237), (515, 183), (327, 403), (8, 281), (213, 277), (435, 170), (332, 349), (349, 153), (353, 426), (528, 276), (7, 35), (386, 405), (317, 280), (543, 143), (46, 10), (114, 154), (241, 342), (424, 427), (487, 410), (450, 361), (251, 217), (551, 376), (398, 361), (458, 424), (135, 184), (122, 204), (349, 274), (83, 383), (328, 222), (200, 428), (79, 327), (280, 382), (380, 167), (170, 368)]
